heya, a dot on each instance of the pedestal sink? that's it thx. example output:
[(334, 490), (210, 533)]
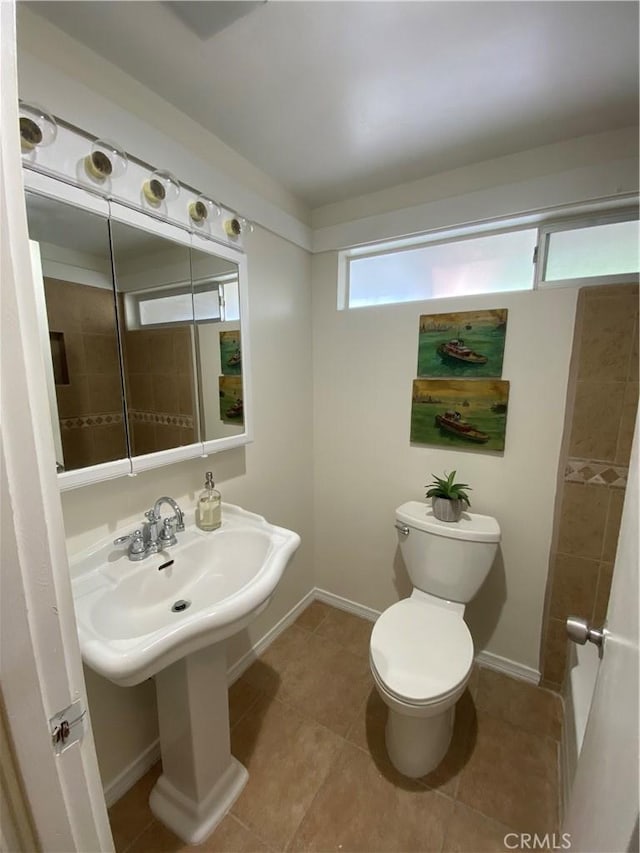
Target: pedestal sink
[(166, 616)]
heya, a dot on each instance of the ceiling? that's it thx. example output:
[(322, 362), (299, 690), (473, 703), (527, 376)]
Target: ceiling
[(337, 99)]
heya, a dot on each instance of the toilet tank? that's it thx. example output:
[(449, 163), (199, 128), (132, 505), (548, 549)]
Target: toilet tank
[(447, 559)]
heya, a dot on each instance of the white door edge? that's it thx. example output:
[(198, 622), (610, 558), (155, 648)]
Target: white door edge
[(41, 662)]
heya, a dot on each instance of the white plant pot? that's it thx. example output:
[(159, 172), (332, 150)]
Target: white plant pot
[(445, 509)]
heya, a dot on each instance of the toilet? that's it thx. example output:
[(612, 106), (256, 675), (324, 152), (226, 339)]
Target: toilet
[(421, 651)]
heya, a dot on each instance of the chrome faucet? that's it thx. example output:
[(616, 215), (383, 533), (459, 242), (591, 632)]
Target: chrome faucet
[(156, 534)]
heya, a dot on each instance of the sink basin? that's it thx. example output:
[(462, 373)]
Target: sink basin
[(136, 618)]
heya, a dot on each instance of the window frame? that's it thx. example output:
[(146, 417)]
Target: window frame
[(545, 228)]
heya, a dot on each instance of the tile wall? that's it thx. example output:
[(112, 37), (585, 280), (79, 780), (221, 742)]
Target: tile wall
[(602, 402), (90, 397), (160, 388)]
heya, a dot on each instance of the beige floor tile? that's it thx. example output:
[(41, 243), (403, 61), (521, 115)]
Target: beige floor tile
[(348, 630), (310, 618), (471, 832), (524, 705), (242, 695), (131, 814), (266, 673), (327, 683), (368, 732), (288, 758), (511, 776), (360, 809), (229, 837)]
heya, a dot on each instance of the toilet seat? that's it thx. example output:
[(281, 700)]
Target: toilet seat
[(421, 652)]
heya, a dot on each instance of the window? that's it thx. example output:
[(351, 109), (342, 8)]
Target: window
[(487, 264), (211, 302), (603, 249), (588, 251)]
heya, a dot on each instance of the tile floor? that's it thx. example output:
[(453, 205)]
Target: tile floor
[(308, 724)]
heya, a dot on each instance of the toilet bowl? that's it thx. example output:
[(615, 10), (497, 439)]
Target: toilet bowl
[(421, 651)]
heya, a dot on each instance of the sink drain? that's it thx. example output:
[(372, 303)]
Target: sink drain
[(180, 605)]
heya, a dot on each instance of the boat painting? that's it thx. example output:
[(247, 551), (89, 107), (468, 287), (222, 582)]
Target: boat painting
[(230, 353), (460, 413), (231, 400), (462, 344)]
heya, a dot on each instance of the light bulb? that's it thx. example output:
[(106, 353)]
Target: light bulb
[(107, 160), (161, 186), (233, 227), (37, 127), (202, 209)]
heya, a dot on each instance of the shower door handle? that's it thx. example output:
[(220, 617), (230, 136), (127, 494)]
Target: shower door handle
[(580, 631)]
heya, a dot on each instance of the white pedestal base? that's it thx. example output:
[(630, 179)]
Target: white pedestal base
[(416, 745), (200, 778)]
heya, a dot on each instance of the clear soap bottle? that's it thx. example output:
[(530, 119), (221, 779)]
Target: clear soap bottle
[(209, 515)]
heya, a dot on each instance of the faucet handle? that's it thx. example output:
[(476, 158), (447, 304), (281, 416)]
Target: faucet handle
[(136, 544), (167, 536)]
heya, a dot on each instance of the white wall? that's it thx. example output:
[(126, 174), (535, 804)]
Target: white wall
[(272, 476), (364, 466)]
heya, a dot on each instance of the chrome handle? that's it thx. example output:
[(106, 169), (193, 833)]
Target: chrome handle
[(402, 528), (580, 631)]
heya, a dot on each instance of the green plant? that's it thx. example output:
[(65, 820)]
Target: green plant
[(447, 488)]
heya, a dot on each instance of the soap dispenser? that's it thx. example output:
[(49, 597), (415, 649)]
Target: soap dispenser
[(209, 515)]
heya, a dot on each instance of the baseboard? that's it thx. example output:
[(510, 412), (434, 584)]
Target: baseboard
[(236, 670), (130, 775), (346, 604), (509, 667)]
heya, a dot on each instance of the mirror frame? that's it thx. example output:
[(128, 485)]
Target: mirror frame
[(67, 193)]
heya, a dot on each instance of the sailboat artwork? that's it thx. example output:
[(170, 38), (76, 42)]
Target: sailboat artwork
[(468, 344)]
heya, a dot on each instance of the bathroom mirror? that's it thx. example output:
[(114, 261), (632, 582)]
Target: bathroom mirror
[(155, 310), (216, 301), (145, 326), (71, 248)]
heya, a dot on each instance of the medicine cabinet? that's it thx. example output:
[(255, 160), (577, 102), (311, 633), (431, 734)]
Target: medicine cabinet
[(145, 329)]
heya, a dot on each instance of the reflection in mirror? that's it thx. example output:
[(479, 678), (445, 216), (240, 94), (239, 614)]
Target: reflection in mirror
[(155, 307), (217, 315), (71, 247)]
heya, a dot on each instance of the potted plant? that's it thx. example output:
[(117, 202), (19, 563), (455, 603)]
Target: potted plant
[(448, 498)]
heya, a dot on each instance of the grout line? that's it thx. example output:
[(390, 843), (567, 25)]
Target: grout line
[(138, 836), (250, 829)]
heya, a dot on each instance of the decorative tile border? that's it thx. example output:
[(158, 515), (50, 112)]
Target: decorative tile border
[(596, 473), (86, 421), (162, 418), (110, 418)]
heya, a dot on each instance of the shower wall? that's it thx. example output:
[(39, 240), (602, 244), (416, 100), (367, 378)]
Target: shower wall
[(602, 402)]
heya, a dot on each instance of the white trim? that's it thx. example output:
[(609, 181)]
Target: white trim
[(569, 193), (125, 780), (346, 604), (509, 667), (41, 663)]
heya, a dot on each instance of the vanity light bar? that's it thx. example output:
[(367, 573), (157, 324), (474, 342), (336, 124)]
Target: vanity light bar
[(106, 162)]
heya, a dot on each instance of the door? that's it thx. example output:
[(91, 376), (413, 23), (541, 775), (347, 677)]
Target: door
[(603, 809), (40, 661)]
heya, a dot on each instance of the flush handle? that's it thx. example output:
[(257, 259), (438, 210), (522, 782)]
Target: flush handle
[(402, 528), (580, 631)]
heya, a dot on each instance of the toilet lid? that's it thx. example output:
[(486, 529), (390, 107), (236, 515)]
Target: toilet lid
[(421, 651)]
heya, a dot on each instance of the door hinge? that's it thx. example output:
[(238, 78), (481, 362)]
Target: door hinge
[(535, 255), (67, 726)]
